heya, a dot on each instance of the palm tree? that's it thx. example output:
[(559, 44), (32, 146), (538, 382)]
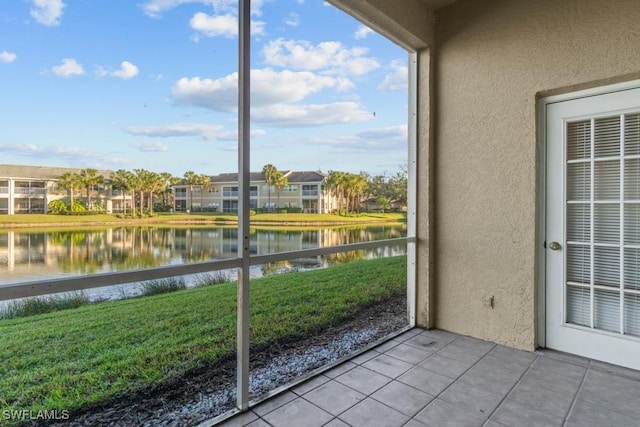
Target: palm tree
[(153, 182), (336, 183), (90, 179), (169, 181), (138, 187), (121, 181), (204, 181), (70, 181), (269, 172), (279, 180), (191, 179)]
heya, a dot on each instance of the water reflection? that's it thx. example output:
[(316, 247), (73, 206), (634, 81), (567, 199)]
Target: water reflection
[(26, 256)]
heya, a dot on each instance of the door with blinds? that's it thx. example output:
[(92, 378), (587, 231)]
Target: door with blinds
[(592, 246)]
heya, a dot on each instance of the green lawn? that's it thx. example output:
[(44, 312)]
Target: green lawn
[(43, 220), (73, 358)]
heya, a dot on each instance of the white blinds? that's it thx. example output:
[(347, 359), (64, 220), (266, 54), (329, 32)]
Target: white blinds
[(602, 257)]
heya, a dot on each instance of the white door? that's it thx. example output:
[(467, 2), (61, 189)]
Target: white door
[(593, 227)]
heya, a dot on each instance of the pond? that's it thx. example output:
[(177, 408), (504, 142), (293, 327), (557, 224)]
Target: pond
[(27, 256)]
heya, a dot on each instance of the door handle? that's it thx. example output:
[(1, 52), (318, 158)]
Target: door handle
[(555, 246)]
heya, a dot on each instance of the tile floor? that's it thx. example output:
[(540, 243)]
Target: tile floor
[(435, 378)]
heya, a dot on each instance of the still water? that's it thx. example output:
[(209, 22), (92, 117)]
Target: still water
[(27, 256)]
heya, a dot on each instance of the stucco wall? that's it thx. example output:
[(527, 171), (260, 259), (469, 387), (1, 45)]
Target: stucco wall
[(493, 57)]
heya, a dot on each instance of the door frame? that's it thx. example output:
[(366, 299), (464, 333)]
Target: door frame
[(541, 212)]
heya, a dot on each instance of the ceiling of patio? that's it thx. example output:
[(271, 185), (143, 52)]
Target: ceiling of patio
[(437, 4)]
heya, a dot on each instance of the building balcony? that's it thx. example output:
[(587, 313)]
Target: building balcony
[(313, 193), (4, 190), (30, 191)]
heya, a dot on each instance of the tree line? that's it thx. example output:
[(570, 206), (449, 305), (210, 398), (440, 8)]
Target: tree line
[(351, 191)]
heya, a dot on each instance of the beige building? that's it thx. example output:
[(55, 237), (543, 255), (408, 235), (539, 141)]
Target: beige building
[(304, 192), (528, 168), (29, 189)]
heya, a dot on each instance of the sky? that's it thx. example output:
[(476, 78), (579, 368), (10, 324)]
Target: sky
[(152, 84)]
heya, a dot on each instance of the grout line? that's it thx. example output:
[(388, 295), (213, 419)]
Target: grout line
[(533, 361), (575, 397)]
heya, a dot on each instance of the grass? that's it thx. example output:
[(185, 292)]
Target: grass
[(95, 353), (162, 286), (43, 220), (40, 305)]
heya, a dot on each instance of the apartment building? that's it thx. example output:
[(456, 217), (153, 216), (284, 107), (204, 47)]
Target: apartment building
[(29, 189), (304, 191)]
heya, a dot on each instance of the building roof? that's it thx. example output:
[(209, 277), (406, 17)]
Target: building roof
[(41, 172), (292, 176)]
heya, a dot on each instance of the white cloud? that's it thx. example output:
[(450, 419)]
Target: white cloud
[(284, 115), (69, 67), (222, 25), (293, 20), (267, 87), (72, 155), (395, 133), (212, 26), (331, 57), (7, 57), (127, 71), (362, 32), (392, 138), (18, 148), (155, 8), (147, 147), (397, 79), (205, 131), (47, 12)]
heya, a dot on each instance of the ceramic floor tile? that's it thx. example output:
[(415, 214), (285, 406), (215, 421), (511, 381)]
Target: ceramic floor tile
[(426, 381), (363, 380), (439, 335), (239, 420), (388, 366), (334, 397), (460, 353), (371, 413), (512, 413), (427, 343), (364, 357), (309, 385), (403, 398), (298, 412), (446, 366), (543, 400), (408, 353), (336, 423), (273, 403), (340, 369), (587, 414), (618, 394), (474, 399), (440, 413)]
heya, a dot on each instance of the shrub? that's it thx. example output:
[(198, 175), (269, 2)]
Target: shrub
[(40, 305), (156, 287), (57, 207), (252, 212), (78, 206)]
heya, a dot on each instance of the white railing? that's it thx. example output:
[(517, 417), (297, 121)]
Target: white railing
[(32, 191)]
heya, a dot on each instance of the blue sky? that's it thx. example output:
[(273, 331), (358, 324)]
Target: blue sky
[(153, 84)]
